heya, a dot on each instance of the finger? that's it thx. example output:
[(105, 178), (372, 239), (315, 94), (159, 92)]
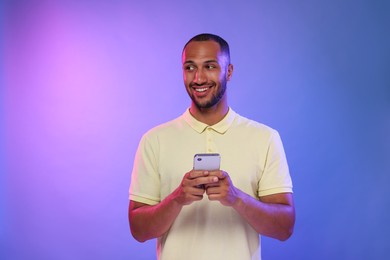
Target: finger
[(201, 181), (196, 174), (210, 185), (197, 191), (219, 173), (191, 198), (212, 190), (191, 190)]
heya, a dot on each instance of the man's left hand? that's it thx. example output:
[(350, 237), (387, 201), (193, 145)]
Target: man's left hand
[(223, 190)]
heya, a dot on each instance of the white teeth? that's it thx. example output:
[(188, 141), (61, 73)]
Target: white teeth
[(201, 89)]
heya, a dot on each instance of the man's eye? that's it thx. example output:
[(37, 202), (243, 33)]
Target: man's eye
[(189, 68), (210, 66)]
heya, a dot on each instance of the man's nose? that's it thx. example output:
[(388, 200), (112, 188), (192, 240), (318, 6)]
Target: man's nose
[(200, 77)]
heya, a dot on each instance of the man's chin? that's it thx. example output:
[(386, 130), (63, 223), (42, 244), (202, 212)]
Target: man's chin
[(204, 105)]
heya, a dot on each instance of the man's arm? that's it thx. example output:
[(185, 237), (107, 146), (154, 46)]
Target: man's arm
[(272, 215), (147, 222)]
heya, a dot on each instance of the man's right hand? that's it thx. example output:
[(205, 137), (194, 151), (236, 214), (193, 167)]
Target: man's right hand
[(192, 186), (152, 221)]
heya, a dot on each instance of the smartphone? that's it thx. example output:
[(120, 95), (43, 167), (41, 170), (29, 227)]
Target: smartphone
[(207, 161)]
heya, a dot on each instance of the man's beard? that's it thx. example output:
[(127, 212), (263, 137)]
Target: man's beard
[(214, 99)]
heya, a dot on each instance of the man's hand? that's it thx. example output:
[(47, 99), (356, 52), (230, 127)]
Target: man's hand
[(223, 190), (152, 221), (192, 186)]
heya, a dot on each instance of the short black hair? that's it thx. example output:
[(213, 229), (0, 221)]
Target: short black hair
[(211, 37)]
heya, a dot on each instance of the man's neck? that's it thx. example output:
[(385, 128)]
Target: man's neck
[(209, 116)]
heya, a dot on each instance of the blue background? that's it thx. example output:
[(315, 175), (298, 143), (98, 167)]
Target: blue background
[(83, 80)]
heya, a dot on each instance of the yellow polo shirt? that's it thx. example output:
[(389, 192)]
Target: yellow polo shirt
[(251, 153)]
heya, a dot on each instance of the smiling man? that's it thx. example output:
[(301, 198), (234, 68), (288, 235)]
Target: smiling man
[(210, 214), (206, 69)]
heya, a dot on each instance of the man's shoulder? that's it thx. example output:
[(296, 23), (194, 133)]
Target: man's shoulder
[(167, 127), (243, 122)]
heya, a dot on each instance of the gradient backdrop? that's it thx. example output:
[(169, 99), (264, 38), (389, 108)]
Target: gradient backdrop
[(83, 80)]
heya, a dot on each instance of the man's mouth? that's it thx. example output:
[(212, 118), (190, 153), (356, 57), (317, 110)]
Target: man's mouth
[(200, 89)]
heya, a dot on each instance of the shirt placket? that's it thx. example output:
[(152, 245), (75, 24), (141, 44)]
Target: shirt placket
[(210, 140)]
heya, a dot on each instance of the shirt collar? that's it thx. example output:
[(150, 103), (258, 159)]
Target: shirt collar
[(220, 127)]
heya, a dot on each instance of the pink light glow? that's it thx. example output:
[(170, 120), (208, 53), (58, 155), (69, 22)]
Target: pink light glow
[(85, 79)]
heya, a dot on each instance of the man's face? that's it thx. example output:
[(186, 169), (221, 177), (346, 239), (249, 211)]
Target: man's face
[(205, 72)]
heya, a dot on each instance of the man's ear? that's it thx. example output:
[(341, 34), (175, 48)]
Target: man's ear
[(229, 72)]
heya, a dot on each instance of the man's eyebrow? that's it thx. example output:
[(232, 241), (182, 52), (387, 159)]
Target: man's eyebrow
[(207, 61), (210, 61)]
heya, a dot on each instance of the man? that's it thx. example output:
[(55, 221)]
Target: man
[(210, 214)]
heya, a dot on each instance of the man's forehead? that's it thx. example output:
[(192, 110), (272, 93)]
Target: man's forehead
[(202, 50)]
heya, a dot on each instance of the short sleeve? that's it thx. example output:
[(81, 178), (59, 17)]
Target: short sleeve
[(276, 176), (145, 181)]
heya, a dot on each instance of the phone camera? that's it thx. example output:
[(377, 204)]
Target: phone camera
[(199, 159)]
